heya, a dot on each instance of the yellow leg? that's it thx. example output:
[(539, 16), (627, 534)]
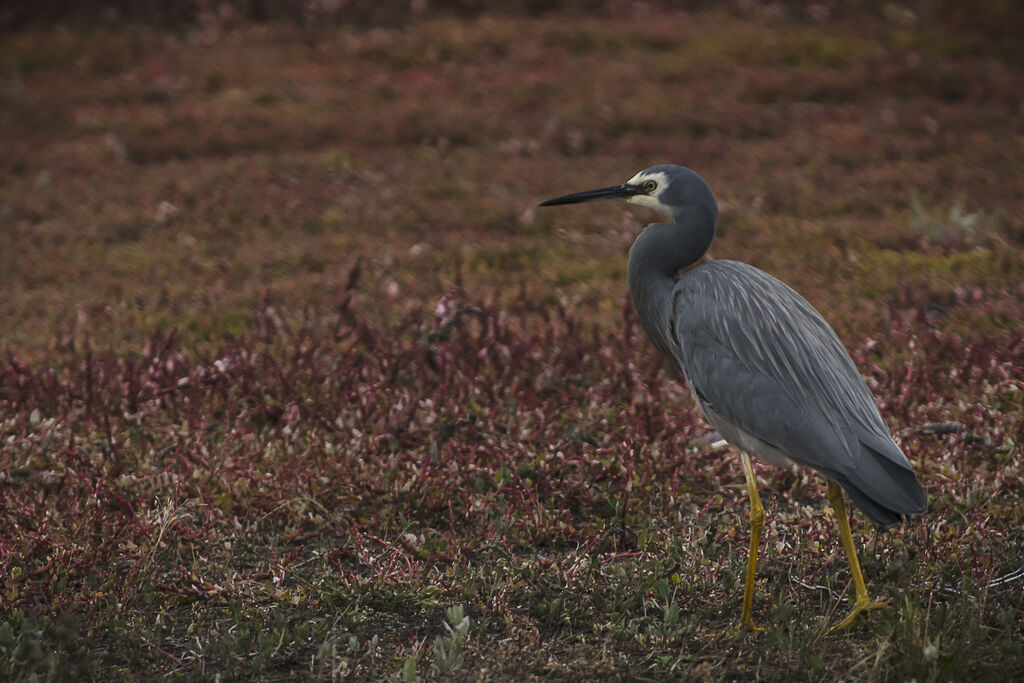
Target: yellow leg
[(863, 603), (756, 524)]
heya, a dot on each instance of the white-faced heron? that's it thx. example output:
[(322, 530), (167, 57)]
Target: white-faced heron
[(767, 370)]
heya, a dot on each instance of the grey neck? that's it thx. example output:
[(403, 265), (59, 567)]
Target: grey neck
[(660, 251)]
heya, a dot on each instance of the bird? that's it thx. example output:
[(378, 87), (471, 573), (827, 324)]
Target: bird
[(768, 372)]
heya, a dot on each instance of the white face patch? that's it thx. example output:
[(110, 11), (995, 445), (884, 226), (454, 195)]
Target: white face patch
[(650, 199)]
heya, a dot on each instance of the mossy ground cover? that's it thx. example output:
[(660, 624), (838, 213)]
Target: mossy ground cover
[(297, 381)]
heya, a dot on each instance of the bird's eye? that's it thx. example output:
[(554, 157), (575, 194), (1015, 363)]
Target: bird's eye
[(650, 186)]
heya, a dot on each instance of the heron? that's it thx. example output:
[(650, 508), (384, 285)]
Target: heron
[(765, 368)]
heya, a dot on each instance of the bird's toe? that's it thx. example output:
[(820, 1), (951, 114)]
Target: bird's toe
[(861, 607)]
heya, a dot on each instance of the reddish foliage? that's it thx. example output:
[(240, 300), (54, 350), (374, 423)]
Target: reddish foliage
[(477, 428)]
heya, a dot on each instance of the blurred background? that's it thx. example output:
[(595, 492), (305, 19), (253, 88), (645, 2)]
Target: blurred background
[(175, 164)]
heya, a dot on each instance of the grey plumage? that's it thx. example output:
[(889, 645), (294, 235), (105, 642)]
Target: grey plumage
[(765, 367), (801, 395)]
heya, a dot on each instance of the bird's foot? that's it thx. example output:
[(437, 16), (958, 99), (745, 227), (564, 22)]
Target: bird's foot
[(743, 627), (736, 631), (860, 607)]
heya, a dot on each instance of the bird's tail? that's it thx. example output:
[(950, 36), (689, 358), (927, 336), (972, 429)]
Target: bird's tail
[(883, 486)]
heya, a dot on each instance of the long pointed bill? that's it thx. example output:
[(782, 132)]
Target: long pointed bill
[(617, 192)]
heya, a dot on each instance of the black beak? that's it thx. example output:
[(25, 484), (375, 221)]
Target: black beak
[(616, 192)]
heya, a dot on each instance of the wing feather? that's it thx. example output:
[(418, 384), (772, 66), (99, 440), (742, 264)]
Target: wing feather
[(761, 357)]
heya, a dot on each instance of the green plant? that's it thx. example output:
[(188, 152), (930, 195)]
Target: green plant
[(669, 626), (959, 229), (450, 650)]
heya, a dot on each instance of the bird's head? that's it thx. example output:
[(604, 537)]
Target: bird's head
[(668, 189)]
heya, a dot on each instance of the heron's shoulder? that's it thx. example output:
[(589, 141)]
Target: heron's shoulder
[(742, 286), (732, 273)]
